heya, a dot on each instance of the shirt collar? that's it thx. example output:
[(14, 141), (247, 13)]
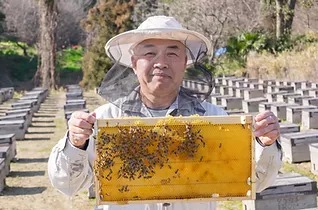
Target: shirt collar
[(185, 104)]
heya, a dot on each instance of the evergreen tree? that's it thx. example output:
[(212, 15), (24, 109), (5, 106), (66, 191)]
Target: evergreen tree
[(105, 20)]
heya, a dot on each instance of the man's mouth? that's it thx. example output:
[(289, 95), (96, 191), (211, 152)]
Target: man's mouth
[(160, 75)]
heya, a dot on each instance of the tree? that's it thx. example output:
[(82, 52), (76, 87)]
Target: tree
[(105, 20), (307, 15), (278, 16), (146, 8), (21, 20), (217, 20), (284, 16), (267, 16), (70, 14), (39, 22), (45, 74)]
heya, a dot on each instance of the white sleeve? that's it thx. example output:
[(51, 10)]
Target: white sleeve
[(268, 162), (69, 168)]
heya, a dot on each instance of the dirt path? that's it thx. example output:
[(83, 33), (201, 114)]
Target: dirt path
[(28, 186)]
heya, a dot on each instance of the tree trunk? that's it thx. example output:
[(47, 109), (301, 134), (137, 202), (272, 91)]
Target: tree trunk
[(268, 15), (290, 16), (284, 16), (279, 18), (45, 75)]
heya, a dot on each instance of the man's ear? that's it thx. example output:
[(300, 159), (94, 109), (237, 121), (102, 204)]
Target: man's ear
[(133, 63)]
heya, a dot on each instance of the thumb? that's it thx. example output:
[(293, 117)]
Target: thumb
[(93, 114), (92, 117)]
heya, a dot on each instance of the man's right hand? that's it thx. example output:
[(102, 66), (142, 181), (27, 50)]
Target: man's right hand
[(80, 127)]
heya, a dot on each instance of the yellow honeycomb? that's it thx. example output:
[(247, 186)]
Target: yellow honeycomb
[(164, 159)]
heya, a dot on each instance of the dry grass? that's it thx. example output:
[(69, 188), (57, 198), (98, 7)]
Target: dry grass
[(300, 168), (290, 65)]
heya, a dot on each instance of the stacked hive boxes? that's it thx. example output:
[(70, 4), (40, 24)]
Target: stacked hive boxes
[(14, 124), (295, 103), (74, 101)]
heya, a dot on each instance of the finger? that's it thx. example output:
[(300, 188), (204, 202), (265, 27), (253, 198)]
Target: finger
[(89, 117), (92, 118), (263, 115), (271, 119), (270, 137), (80, 115), (79, 130), (272, 128), (77, 122)]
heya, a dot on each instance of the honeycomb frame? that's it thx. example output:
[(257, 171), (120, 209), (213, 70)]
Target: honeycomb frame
[(208, 172)]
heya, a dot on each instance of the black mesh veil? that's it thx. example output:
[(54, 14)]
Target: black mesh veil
[(120, 81), (198, 79)]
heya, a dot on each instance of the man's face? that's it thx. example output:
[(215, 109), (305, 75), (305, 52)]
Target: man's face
[(159, 65)]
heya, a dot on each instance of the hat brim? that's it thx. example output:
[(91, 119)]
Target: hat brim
[(119, 47)]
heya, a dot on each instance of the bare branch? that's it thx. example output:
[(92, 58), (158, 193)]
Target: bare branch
[(246, 4)]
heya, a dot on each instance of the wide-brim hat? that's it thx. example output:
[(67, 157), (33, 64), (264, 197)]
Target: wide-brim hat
[(119, 48)]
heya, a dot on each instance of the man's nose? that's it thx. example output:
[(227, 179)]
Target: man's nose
[(160, 61)]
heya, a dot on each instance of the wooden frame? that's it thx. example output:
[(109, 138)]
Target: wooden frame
[(221, 169)]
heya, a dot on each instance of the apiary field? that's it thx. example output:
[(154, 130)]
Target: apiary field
[(27, 185)]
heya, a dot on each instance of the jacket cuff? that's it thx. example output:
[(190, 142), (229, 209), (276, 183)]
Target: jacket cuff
[(260, 143), (69, 149)]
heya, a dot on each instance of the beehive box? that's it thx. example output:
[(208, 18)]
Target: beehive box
[(171, 159), (289, 191), (313, 148), (3, 172), (296, 145)]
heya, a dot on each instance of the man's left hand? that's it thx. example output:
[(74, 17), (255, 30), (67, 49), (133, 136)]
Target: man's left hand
[(266, 127)]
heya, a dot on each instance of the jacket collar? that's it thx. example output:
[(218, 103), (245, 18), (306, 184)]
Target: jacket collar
[(184, 105)]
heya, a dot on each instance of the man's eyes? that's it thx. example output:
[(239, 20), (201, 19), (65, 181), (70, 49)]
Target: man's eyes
[(154, 54), (150, 54), (172, 54)]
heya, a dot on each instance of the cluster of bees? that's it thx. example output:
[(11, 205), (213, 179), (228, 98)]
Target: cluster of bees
[(141, 149)]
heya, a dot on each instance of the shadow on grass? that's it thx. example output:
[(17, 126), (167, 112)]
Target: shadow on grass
[(14, 191), (26, 173), (40, 132), (42, 126), (41, 116), (36, 139), (32, 160), (43, 121)]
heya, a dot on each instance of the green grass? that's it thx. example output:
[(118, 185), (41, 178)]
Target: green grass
[(70, 59), (15, 63), (12, 48), (21, 68), (69, 65)]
